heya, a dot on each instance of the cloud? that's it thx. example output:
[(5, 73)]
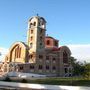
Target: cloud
[(80, 51), (3, 52)]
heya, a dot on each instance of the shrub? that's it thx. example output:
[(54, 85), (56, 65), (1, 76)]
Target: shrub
[(7, 79), (24, 81)]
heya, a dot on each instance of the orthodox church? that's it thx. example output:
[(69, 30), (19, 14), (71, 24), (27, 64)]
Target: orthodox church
[(40, 55)]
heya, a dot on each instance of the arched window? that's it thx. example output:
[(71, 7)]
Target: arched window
[(66, 70), (41, 31), (65, 57), (54, 68), (21, 67), (48, 42), (34, 24), (40, 38), (31, 67), (56, 43), (47, 67), (40, 56), (40, 67), (40, 45), (31, 38), (31, 56), (30, 25), (17, 52), (31, 31), (54, 59)]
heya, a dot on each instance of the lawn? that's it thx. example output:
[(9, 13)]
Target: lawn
[(62, 81), (72, 81)]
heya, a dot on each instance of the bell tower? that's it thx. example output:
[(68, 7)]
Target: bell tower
[(36, 34)]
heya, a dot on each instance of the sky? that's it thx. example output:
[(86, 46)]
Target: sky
[(67, 20)]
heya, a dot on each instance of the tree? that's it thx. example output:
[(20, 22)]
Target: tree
[(86, 73), (78, 67)]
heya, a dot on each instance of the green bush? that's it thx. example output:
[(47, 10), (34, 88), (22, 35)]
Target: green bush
[(24, 81), (7, 79)]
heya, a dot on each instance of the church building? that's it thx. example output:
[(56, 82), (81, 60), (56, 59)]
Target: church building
[(40, 55)]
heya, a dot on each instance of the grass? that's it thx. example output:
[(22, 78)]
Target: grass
[(72, 81), (63, 81)]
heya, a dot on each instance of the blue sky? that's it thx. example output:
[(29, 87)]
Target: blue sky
[(67, 20)]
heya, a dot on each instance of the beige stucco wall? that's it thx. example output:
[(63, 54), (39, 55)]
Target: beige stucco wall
[(11, 55)]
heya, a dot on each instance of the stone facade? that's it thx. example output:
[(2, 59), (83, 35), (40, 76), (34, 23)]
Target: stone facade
[(41, 54)]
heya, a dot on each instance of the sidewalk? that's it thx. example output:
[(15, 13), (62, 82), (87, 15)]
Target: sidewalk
[(28, 86)]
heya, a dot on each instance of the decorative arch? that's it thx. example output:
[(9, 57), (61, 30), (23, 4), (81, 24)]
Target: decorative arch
[(66, 53), (65, 57), (65, 48), (16, 51)]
